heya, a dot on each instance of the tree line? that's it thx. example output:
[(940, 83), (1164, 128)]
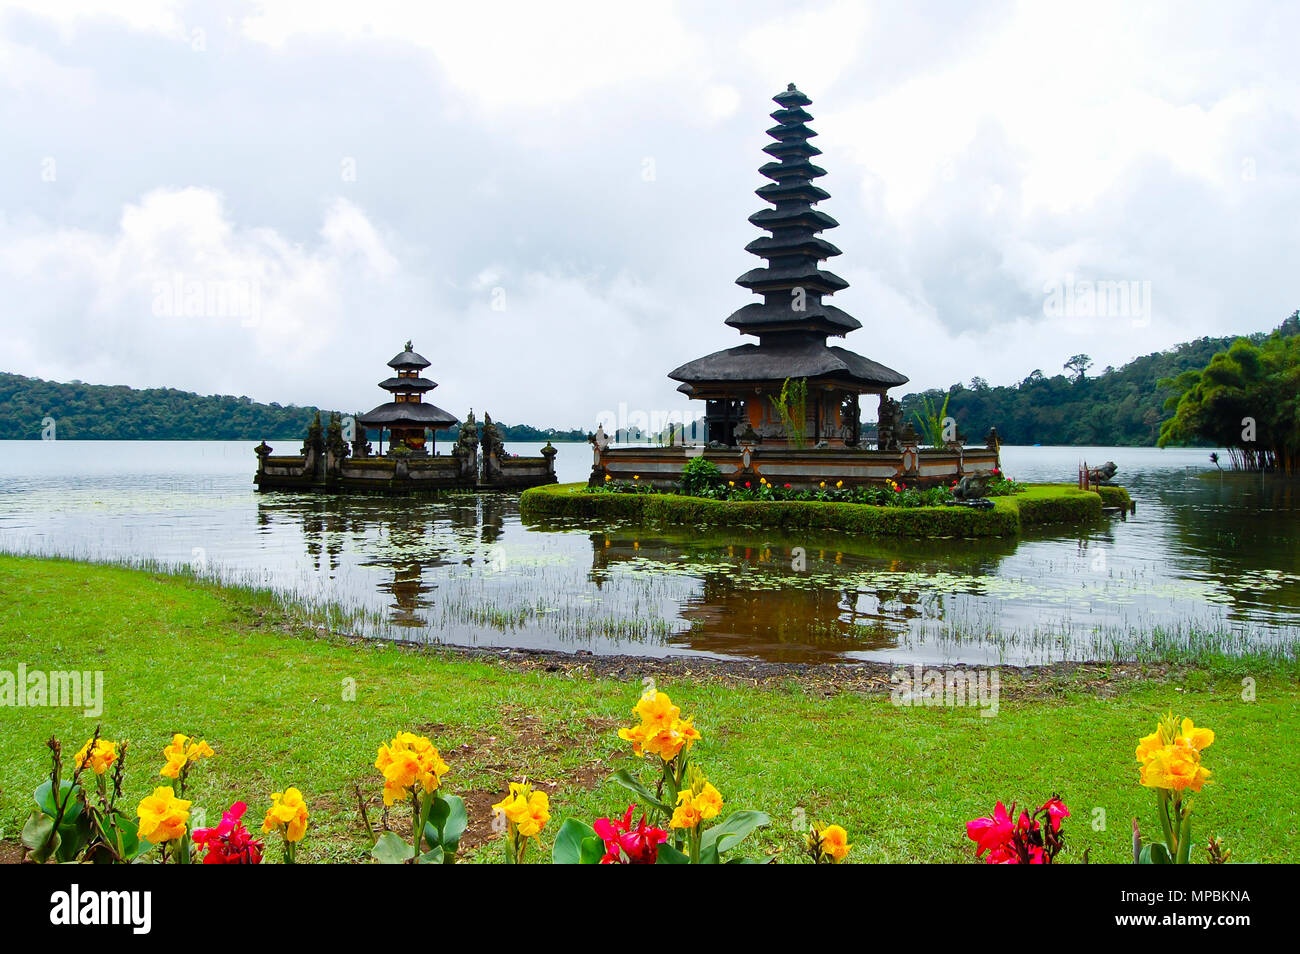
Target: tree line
[(1124, 406), (31, 408), (1246, 400)]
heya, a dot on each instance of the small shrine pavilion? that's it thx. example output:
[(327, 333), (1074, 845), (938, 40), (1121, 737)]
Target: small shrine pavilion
[(742, 386), (328, 464), (406, 416)]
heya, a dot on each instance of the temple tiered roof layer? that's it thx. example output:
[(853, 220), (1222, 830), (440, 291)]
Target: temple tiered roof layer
[(792, 322), (408, 410)]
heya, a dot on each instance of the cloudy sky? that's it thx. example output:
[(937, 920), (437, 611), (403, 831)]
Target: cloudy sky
[(268, 198)]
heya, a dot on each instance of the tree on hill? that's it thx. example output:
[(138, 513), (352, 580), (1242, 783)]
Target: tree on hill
[(1246, 399)]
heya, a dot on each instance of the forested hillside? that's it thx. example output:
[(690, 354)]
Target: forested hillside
[(116, 412), (1118, 406)]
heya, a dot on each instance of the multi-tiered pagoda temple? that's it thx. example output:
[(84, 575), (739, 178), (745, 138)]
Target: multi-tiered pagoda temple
[(406, 416), (786, 410), (742, 386)]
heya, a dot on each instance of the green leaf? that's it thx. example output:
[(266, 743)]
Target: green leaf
[(125, 834), (1154, 854), (568, 842), (668, 855), (391, 850), (73, 837), (624, 778), (40, 837), (593, 849), (37, 830), (1185, 839), (729, 833), (45, 801), (434, 856), (449, 820)]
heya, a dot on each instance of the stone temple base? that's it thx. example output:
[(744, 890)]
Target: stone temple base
[(806, 469)]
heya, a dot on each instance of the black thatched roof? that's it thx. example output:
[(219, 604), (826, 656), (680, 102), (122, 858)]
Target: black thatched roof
[(766, 363), (408, 413), (408, 384), (792, 322), (408, 359)]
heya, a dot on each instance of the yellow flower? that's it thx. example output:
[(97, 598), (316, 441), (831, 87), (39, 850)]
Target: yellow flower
[(607, 477), (1171, 755), (527, 810), (288, 812), (181, 752), (708, 802), (163, 816), (1197, 738), (731, 483), (636, 476), (822, 484), (1175, 768), (833, 843), (1149, 745), (409, 763), (662, 732), (839, 483), (100, 759), (685, 815), (698, 803)]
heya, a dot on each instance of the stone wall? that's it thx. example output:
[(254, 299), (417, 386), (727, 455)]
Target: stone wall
[(661, 467)]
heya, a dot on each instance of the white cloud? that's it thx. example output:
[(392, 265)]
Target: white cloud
[(501, 148)]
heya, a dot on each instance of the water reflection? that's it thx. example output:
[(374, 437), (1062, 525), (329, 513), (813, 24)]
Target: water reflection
[(1217, 554)]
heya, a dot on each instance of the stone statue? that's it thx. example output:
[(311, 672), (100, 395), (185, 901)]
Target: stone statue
[(1103, 474), (891, 412), (334, 441), (971, 487), (465, 449), (315, 440), (494, 446), (467, 437)]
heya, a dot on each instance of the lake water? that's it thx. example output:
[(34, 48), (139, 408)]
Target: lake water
[(1208, 560)]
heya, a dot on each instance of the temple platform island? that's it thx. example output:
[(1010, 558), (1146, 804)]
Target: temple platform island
[(338, 457)]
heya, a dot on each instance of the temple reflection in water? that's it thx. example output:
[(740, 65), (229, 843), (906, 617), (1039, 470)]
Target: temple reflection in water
[(463, 570)]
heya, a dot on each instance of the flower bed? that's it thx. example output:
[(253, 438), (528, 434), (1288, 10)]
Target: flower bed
[(684, 817)]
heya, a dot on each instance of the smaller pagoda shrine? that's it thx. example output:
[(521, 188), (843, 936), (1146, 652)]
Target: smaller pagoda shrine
[(337, 457), (406, 417)]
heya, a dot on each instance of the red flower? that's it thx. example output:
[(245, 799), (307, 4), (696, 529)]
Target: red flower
[(747, 483), (787, 486), (1024, 841), (1056, 811), (990, 833), (229, 843), (628, 845)]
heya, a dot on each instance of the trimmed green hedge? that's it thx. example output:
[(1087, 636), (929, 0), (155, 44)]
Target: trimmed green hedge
[(1115, 497), (1039, 505)]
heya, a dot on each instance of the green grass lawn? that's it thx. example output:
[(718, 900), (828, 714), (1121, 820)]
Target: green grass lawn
[(183, 656)]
